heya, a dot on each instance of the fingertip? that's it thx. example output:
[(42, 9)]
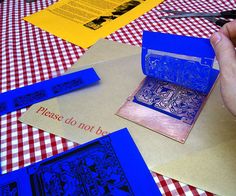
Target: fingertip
[(215, 39), (225, 52)]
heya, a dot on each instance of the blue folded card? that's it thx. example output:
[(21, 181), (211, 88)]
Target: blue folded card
[(180, 74), (111, 165)]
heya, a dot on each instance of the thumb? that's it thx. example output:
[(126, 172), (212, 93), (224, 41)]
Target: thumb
[(225, 52)]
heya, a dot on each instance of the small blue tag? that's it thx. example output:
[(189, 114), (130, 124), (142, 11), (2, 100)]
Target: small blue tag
[(28, 95)]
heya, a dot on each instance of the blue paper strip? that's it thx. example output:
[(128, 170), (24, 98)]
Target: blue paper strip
[(28, 95), (182, 60), (111, 165)]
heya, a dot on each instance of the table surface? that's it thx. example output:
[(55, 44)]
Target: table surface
[(30, 55)]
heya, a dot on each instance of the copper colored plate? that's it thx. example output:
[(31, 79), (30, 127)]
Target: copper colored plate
[(161, 119)]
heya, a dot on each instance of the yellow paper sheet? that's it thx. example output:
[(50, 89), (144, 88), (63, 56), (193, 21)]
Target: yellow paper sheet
[(207, 159), (83, 22)]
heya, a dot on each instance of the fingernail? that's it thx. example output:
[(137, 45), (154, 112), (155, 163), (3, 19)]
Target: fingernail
[(215, 39)]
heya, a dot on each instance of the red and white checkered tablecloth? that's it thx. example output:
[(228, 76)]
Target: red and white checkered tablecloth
[(29, 55)]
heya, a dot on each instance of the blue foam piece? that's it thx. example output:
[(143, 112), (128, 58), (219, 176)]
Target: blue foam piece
[(28, 95), (182, 60), (110, 165)]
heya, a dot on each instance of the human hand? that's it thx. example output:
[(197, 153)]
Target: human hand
[(224, 43)]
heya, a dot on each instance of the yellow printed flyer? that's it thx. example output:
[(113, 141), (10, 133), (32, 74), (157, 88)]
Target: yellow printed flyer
[(83, 22)]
